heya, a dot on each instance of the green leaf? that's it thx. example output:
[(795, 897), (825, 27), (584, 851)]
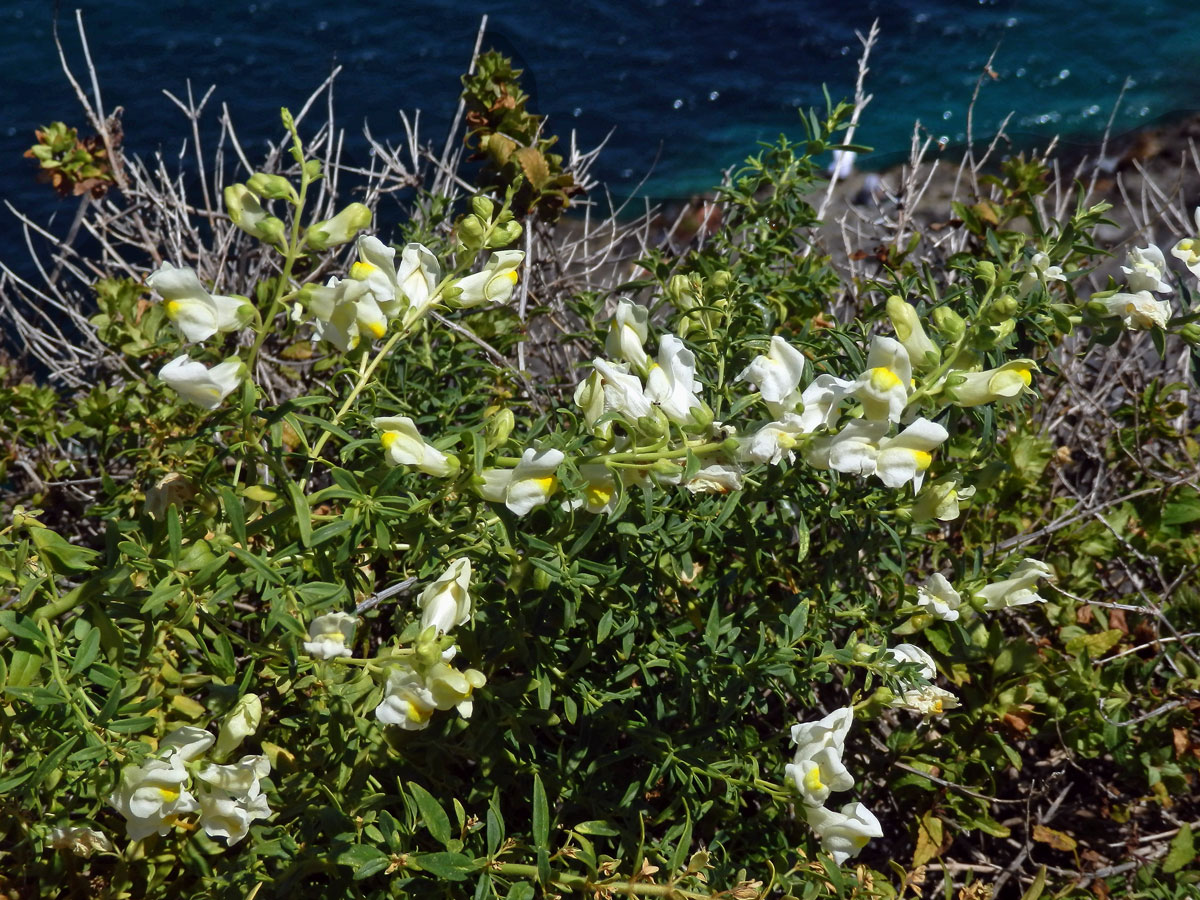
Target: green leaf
[(1038, 886), (89, 649), (235, 513), (432, 814), (303, 513), (61, 555), (1096, 645), (364, 859), (541, 815), (22, 626), (520, 890), (450, 866), (1181, 852)]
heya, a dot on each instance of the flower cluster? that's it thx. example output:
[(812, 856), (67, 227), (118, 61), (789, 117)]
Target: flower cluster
[(158, 793), (420, 681), (817, 771)]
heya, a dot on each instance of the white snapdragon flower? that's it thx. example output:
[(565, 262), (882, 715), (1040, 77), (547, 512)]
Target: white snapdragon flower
[(1138, 311), (1146, 270), (716, 478), (861, 449), (1037, 270), (407, 700), (1017, 588), (417, 280), (495, 283), (345, 309), (938, 598), (446, 603), (843, 834), (623, 391), (404, 446), (822, 399), (852, 450), (1188, 249), (817, 768), (627, 333), (198, 384), (600, 490), (777, 376), (905, 457), (153, 796), (927, 700), (527, 486), (411, 697), (1007, 382), (375, 273), (672, 382), (232, 798), (771, 443), (883, 388), (197, 313), (911, 653), (330, 635), (81, 840)]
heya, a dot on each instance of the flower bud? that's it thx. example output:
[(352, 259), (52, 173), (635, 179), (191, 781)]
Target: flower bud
[(721, 279), (1191, 333), (243, 720), (470, 232), (272, 187), (701, 418), (986, 271), (949, 324), (482, 207), (682, 292), (248, 214), (341, 229), (921, 350), (497, 428), (1004, 308), (504, 235)]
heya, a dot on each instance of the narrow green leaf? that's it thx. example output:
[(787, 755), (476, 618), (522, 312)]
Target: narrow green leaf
[(436, 821), (89, 649), (303, 513), (1182, 850)]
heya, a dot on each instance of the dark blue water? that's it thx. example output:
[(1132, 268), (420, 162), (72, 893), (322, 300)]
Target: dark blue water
[(685, 86)]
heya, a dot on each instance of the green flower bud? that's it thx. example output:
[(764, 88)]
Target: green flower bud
[(312, 168), (921, 350), (470, 232), (986, 271), (1004, 308), (342, 228), (272, 231), (681, 293), (1191, 333), (949, 324), (248, 214), (701, 418), (272, 187), (482, 207), (505, 235), (864, 652), (498, 427), (720, 280)]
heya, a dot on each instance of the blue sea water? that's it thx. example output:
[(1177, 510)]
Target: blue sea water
[(682, 88)]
